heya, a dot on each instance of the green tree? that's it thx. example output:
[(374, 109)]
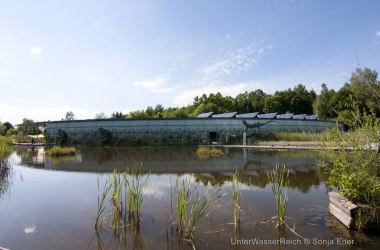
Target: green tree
[(138, 114), (322, 103), (158, 109), (27, 127), (5, 127), (339, 100), (69, 116), (257, 100), (150, 111), (365, 88), (117, 115), (100, 115), (242, 103)]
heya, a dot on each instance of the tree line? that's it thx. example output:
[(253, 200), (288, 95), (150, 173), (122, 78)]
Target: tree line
[(362, 89)]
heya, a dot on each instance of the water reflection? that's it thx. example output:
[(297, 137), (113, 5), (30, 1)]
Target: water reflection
[(6, 175), (252, 164), (54, 204)]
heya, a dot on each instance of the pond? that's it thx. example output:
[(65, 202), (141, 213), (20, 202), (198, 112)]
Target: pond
[(45, 203)]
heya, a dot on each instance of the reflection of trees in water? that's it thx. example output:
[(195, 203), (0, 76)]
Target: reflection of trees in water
[(5, 181), (301, 180)]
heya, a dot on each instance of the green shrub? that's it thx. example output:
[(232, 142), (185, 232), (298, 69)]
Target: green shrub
[(352, 163)]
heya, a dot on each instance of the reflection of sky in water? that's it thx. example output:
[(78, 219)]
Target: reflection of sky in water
[(30, 230), (45, 208)]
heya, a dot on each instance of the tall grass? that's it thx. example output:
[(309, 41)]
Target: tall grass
[(235, 198), (61, 151), (116, 200), (101, 205), (136, 183), (279, 179), (193, 207), (183, 197), (206, 152), (5, 152), (289, 136), (125, 196)]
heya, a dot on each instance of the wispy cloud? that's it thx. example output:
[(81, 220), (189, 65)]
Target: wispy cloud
[(234, 61), (378, 33), (35, 51), (156, 84)]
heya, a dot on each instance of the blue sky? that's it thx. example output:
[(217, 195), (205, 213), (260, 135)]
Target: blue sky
[(104, 56)]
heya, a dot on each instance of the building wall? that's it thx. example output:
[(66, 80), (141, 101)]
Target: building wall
[(171, 131)]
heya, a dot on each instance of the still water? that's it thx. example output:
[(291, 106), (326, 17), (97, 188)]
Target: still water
[(45, 203)]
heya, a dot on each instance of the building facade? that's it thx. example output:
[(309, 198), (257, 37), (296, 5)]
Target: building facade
[(165, 132)]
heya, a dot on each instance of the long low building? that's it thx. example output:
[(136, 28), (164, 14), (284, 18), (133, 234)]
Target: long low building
[(189, 131)]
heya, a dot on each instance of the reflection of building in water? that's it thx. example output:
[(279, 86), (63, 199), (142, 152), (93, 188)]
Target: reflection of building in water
[(34, 156), (192, 131), (252, 164)]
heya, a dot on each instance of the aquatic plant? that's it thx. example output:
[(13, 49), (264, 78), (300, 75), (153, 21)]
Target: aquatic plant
[(206, 152), (5, 152), (183, 197), (61, 151), (279, 179), (125, 196), (235, 198), (193, 207), (116, 199), (98, 220), (136, 183)]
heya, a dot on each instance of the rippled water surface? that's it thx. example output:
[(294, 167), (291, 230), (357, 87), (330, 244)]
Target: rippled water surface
[(44, 202)]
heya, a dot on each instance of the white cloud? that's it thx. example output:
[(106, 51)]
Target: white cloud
[(15, 114), (188, 95), (234, 61), (35, 51), (378, 33), (156, 84)]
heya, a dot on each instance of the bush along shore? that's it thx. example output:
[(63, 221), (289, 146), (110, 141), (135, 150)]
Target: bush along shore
[(354, 175)]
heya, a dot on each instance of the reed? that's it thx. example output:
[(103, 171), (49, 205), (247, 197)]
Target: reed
[(125, 193), (135, 183), (192, 207), (235, 198), (183, 197), (279, 179), (101, 205), (116, 200), (5, 152)]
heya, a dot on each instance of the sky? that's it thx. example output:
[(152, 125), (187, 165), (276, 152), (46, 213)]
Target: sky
[(93, 56)]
